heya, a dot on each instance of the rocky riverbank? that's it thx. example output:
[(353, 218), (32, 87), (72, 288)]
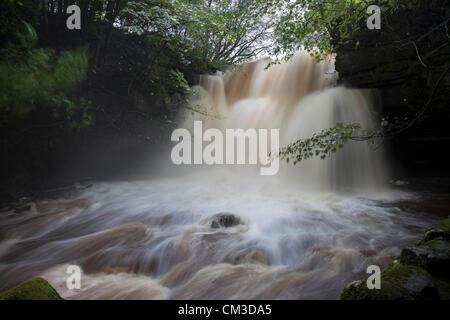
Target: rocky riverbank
[(406, 64), (420, 272)]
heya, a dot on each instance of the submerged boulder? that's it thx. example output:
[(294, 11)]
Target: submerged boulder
[(35, 289), (223, 220)]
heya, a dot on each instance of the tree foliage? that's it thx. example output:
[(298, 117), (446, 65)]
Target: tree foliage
[(148, 51), (40, 78), (321, 144), (151, 51), (220, 33), (312, 24)]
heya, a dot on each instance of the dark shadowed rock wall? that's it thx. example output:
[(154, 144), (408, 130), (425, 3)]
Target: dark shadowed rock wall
[(407, 61)]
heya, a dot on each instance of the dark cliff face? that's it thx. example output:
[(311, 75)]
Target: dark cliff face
[(407, 61)]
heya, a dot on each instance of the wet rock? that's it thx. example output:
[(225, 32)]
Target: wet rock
[(410, 282), (440, 231), (223, 220), (434, 256), (437, 257), (398, 282), (432, 252), (357, 290), (421, 271), (35, 289), (371, 59), (411, 256)]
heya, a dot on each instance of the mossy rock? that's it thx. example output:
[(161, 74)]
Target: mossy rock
[(435, 255), (421, 271), (439, 231), (411, 256), (398, 282), (35, 289), (357, 290), (432, 251)]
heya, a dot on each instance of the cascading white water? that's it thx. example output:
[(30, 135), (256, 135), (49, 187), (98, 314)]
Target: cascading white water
[(298, 238), (299, 98)]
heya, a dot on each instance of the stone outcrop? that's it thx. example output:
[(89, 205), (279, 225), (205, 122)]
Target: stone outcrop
[(420, 272), (222, 220), (407, 61)]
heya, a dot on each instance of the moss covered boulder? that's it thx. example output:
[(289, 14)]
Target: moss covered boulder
[(432, 252), (398, 282), (434, 256), (420, 272), (35, 289), (439, 231)]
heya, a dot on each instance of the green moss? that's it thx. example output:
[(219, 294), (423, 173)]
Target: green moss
[(410, 257), (398, 282), (443, 225), (358, 290), (35, 289), (396, 273), (440, 231), (421, 272)]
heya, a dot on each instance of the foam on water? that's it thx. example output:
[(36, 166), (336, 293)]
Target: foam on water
[(305, 233), (152, 233)]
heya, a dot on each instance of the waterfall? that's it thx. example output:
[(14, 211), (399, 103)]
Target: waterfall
[(300, 98), (297, 238)]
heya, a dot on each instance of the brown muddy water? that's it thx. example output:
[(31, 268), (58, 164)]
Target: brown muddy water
[(151, 240), (303, 234)]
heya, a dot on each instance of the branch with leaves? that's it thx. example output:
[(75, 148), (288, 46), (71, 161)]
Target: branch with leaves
[(329, 141)]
